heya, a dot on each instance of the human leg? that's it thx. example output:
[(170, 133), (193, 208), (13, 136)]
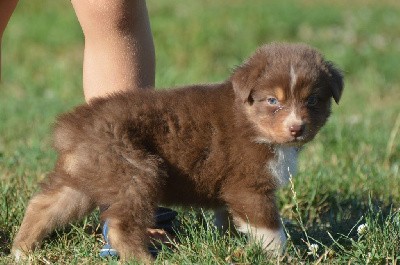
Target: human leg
[(7, 7), (119, 50)]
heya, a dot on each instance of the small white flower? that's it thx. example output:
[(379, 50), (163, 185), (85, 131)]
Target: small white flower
[(313, 249), (368, 257), (362, 229)]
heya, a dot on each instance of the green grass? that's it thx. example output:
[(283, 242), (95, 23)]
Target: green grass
[(348, 176)]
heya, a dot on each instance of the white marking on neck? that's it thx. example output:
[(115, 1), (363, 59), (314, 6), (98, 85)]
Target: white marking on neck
[(284, 164), (271, 240), (293, 79)]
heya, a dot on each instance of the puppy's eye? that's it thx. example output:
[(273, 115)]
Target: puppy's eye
[(311, 101), (272, 101)]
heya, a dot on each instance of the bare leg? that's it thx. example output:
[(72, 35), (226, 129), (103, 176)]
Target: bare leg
[(119, 50), (6, 9), (45, 212)]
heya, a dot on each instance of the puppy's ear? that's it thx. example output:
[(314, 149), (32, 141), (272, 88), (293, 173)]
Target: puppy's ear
[(244, 79), (335, 81)]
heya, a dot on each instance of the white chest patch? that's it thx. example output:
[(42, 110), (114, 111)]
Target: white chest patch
[(284, 164)]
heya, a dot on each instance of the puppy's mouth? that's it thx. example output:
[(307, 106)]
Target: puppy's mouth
[(297, 140), (290, 141)]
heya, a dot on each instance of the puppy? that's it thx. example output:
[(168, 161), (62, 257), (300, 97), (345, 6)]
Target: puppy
[(222, 146)]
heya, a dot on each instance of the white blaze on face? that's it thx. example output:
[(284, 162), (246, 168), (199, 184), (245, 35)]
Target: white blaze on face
[(271, 240), (293, 79), (290, 120)]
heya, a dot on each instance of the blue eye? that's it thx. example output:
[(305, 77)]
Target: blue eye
[(312, 101), (272, 101)]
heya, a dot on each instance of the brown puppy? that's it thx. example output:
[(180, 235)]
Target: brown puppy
[(223, 146)]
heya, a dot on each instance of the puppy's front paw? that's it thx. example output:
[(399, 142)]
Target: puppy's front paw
[(272, 240), (18, 255)]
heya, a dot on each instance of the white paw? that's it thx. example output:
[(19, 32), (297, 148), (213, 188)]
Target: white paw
[(18, 255), (271, 240)]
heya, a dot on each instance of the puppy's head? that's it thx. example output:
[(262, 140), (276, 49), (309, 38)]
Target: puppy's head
[(285, 91)]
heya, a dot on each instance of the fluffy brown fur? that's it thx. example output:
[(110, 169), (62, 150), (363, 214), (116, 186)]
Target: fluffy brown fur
[(223, 145)]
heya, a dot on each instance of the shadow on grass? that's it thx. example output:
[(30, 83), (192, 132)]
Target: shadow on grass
[(5, 242), (340, 220)]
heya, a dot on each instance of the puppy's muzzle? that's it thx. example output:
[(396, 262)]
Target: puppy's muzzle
[(297, 130)]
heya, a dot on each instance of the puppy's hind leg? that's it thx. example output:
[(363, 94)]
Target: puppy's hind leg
[(132, 211), (51, 208), (127, 231)]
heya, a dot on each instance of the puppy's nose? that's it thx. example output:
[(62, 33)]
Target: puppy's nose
[(297, 130)]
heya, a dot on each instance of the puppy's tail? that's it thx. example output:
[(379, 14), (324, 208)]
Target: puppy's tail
[(70, 128), (88, 123)]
